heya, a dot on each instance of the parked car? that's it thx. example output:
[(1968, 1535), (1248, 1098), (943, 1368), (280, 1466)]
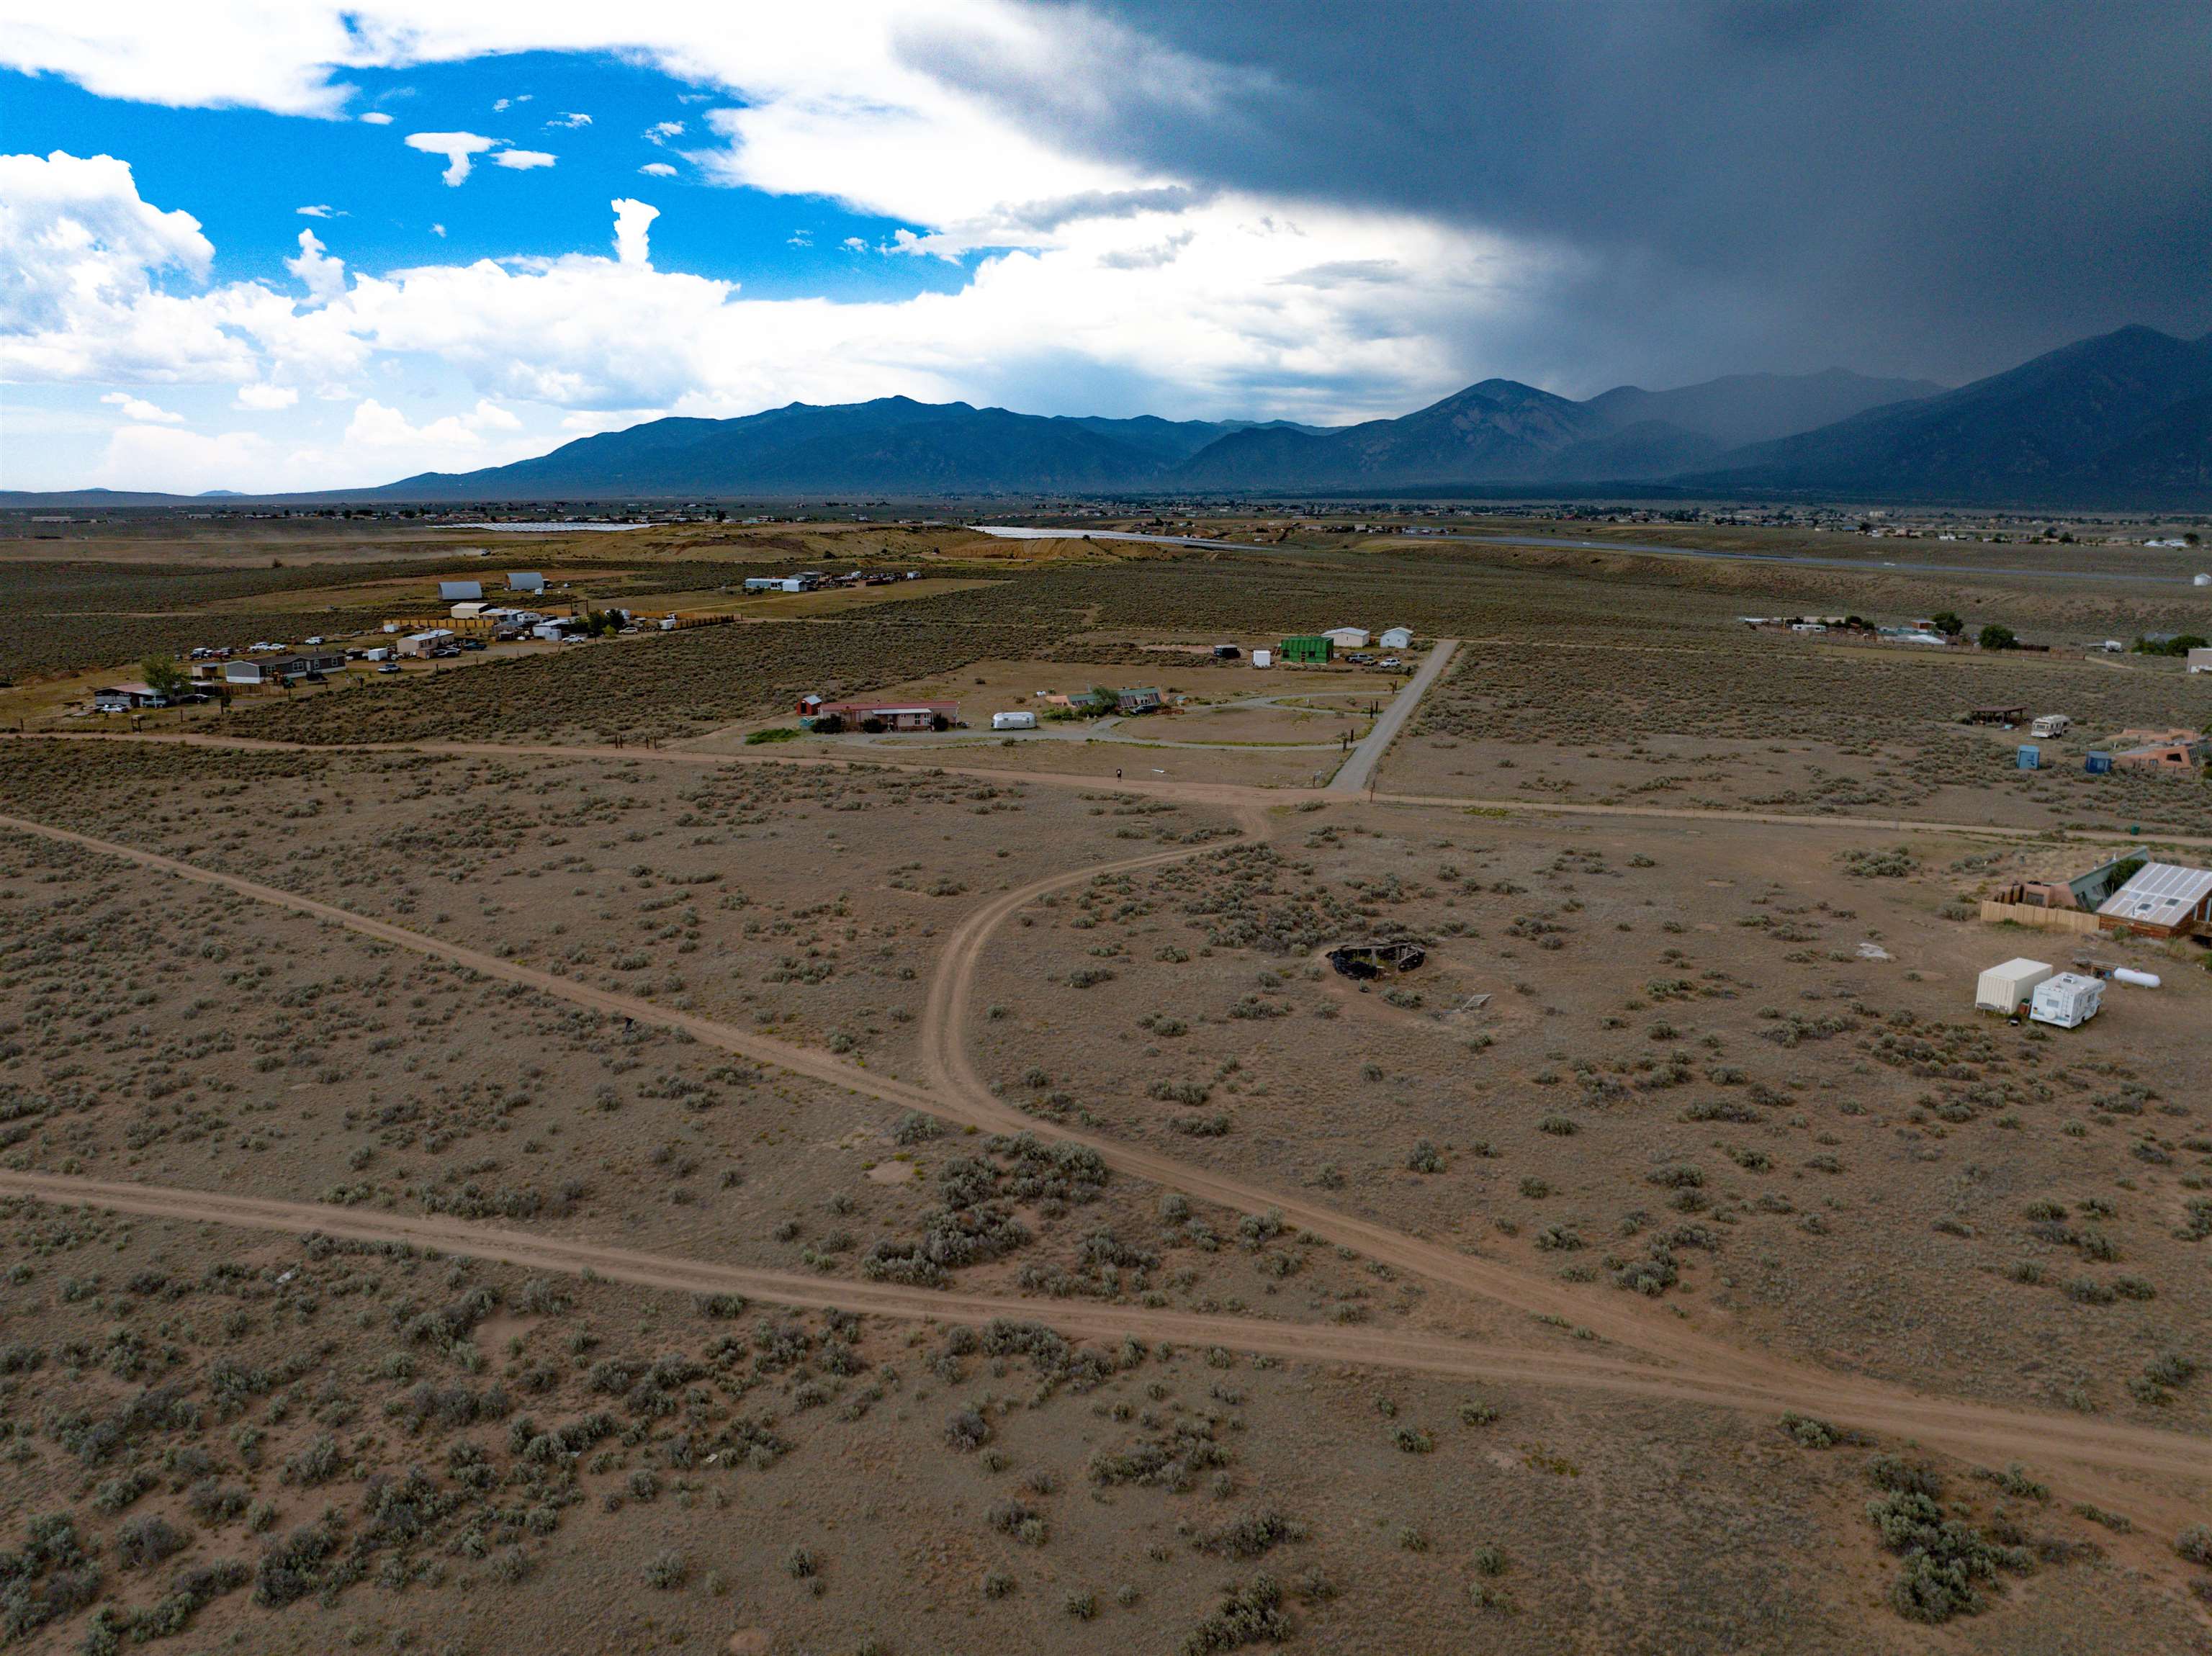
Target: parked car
[(388, 666)]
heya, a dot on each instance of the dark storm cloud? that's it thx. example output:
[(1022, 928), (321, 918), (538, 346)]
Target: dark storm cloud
[(1925, 188)]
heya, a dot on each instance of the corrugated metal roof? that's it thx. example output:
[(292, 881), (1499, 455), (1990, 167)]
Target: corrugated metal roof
[(2161, 894)]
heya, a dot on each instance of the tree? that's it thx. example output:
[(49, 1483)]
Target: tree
[(165, 678), (1949, 622), (1994, 637)]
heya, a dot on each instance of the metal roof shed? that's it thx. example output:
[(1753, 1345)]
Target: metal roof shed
[(2165, 898), (2006, 988)]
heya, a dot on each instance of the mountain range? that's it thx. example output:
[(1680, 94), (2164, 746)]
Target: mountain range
[(891, 446), (2124, 419), (1499, 430), (2125, 416)]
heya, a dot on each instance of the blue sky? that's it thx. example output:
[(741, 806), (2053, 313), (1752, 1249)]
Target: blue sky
[(824, 204), (243, 173), (1092, 206)]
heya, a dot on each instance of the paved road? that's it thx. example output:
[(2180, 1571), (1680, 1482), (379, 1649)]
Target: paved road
[(1355, 773), (1864, 565)]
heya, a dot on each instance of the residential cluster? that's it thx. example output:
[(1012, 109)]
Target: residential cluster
[(2125, 896), (2172, 749), (1319, 649), (812, 580)]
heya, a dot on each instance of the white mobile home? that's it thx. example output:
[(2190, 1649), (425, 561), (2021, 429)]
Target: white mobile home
[(126, 698)]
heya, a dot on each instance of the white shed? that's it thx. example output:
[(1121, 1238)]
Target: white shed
[(2009, 987), (2068, 1000), (1347, 638), (1263, 658), (1396, 638), (1022, 721)]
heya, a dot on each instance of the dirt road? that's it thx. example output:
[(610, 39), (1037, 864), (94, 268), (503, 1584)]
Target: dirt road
[(1226, 796), (1973, 1431), (1654, 1352), (1353, 775)]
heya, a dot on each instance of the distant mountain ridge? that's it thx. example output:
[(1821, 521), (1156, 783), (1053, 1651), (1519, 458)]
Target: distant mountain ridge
[(2122, 419), (1499, 430), (2127, 411), (1503, 431), (1756, 408), (893, 445)]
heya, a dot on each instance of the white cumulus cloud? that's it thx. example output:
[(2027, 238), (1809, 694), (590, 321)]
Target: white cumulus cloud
[(1083, 277), (323, 277), (320, 210), (161, 458), (138, 408), (377, 117), (570, 118), (456, 146), (80, 251), (264, 399), (521, 160), (375, 426), (632, 220)]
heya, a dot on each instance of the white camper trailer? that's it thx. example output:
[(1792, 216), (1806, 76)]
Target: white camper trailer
[(1013, 721), (2068, 1000)]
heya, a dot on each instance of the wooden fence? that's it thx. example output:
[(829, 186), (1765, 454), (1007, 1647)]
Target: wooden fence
[(2078, 921)]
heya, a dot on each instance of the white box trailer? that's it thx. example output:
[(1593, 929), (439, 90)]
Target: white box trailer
[(1013, 721), (2068, 1000), (1263, 658), (2009, 987)]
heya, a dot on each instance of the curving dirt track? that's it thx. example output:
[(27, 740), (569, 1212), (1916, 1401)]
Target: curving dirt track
[(1970, 1430), (1656, 1354)]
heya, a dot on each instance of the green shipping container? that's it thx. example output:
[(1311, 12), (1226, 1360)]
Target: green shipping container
[(1306, 647)]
